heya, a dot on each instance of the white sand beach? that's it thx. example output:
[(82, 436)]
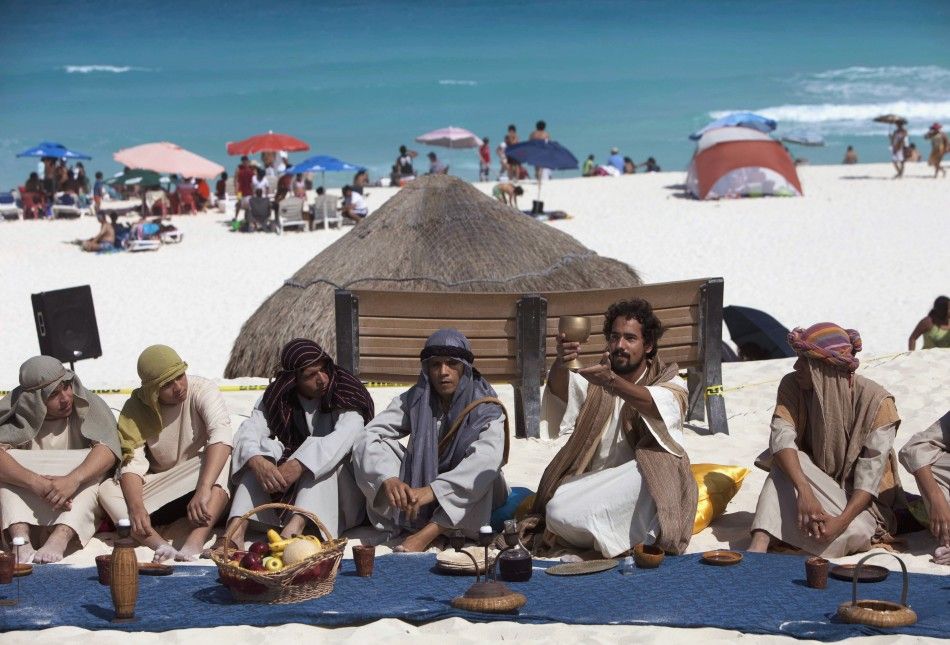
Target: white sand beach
[(858, 249)]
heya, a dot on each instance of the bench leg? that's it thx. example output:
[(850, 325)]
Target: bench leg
[(695, 410)]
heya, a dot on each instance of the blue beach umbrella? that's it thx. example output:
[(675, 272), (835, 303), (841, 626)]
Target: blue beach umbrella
[(738, 119), (51, 149), (749, 326), (544, 154), (323, 163)]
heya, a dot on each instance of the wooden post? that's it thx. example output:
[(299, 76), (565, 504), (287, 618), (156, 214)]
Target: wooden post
[(696, 408), (710, 303), (347, 307), (531, 324)]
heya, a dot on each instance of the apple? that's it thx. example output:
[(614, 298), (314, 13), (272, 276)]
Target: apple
[(252, 562), (237, 555), (260, 548)]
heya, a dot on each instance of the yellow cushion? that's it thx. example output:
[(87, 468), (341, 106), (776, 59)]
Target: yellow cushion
[(717, 485)]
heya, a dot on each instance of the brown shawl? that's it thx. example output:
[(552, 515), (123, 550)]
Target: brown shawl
[(833, 421), (667, 475)]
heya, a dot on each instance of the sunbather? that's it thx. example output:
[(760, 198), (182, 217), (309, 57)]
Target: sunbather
[(105, 238)]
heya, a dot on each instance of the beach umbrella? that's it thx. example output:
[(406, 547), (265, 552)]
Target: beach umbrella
[(751, 326), (51, 149), (450, 137), (269, 142), (738, 120), (131, 177), (542, 153), (169, 158), (892, 119), (324, 164)]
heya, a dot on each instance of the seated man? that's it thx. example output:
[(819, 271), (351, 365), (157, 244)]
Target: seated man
[(449, 475), (297, 444), (354, 206), (623, 476), (175, 432), (105, 239), (436, 167), (927, 456), (833, 479), (258, 211), (57, 442)]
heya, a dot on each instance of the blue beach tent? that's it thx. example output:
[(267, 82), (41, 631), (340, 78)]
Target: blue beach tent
[(51, 149), (738, 119), (324, 164)]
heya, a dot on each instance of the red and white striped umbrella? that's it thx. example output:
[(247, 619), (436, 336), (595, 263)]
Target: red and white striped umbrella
[(450, 137)]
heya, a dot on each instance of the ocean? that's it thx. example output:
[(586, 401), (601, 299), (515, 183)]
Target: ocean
[(357, 79)]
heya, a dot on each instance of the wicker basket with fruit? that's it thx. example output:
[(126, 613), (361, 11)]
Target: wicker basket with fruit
[(284, 570)]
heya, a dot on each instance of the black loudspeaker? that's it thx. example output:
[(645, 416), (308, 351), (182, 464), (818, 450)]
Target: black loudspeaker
[(66, 324)]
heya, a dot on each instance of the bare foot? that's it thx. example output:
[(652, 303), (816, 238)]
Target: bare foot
[(188, 552), (26, 553), (420, 540), (942, 555), (164, 552), (55, 546), (294, 527), (760, 542)]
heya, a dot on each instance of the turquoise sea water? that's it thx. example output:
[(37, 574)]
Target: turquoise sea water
[(357, 79)]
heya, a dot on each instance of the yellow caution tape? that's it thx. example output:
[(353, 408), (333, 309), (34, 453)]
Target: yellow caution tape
[(714, 390)]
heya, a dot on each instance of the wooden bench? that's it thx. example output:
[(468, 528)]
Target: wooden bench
[(379, 335)]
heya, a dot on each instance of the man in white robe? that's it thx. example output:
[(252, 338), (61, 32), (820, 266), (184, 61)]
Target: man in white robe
[(927, 456), (449, 475), (297, 444), (620, 425)]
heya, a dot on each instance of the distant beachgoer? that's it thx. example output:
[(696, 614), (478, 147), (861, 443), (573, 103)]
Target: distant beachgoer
[(300, 187), (258, 212), (934, 327), (588, 168), (34, 184), (650, 165), (82, 180), (244, 178), (221, 187), (516, 171), (507, 193), (404, 162), (260, 182), (615, 159), (898, 140), (629, 168), (511, 137), (540, 132), (911, 153), (939, 144), (104, 239), (436, 167), (360, 180), (354, 207), (850, 156), (98, 190), (484, 160)]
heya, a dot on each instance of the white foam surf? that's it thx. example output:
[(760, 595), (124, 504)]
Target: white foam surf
[(112, 69), (452, 81)]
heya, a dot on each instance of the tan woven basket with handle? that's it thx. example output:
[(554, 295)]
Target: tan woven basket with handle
[(307, 579), (877, 613)]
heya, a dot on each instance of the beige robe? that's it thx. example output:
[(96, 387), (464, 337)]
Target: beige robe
[(777, 508), (930, 447), (170, 463), (609, 507), (57, 449)]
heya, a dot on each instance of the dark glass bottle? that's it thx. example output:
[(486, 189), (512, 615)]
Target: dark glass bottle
[(515, 564)]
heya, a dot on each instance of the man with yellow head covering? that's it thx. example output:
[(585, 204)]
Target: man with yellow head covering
[(176, 437), (833, 483), (57, 442)]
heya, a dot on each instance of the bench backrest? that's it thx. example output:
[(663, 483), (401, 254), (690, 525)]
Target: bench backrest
[(291, 209)]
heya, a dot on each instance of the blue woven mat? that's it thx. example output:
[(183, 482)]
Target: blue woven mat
[(764, 594)]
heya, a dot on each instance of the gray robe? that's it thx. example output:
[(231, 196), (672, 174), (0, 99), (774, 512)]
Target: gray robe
[(930, 447), (465, 495), (327, 488)]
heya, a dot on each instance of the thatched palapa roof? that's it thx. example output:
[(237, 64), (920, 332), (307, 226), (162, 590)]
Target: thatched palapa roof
[(436, 234)]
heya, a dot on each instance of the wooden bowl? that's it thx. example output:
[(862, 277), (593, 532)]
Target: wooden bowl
[(22, 569), (722, 557), (648, 556)]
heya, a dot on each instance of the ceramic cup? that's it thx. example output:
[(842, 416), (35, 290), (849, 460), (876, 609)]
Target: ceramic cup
[(104, 568), (816, 572), (363, 556), (7, 563)]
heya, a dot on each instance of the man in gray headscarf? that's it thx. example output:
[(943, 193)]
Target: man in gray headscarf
[(449, 475), (58, 441)]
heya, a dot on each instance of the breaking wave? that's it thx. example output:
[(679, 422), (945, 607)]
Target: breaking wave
[(863, 112), (111, 69), (452, 81)]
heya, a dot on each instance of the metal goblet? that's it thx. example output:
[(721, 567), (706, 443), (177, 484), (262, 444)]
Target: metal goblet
[(576, 329)]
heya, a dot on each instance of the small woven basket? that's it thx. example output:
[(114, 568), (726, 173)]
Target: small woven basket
[(877, 613), (308, 579)]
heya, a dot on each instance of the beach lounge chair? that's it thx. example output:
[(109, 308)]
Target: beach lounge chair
[(259, 209), (67, 206), (324, 209), (144, 236), (290, 214), (8, 206)]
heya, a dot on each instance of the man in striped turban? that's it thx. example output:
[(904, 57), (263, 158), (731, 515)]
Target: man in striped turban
[(449, 475), (833, 481), (295, 447)]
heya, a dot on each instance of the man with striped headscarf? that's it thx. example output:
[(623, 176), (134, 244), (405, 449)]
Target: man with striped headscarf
[(449, 475), (833, 481), (296, 444)]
